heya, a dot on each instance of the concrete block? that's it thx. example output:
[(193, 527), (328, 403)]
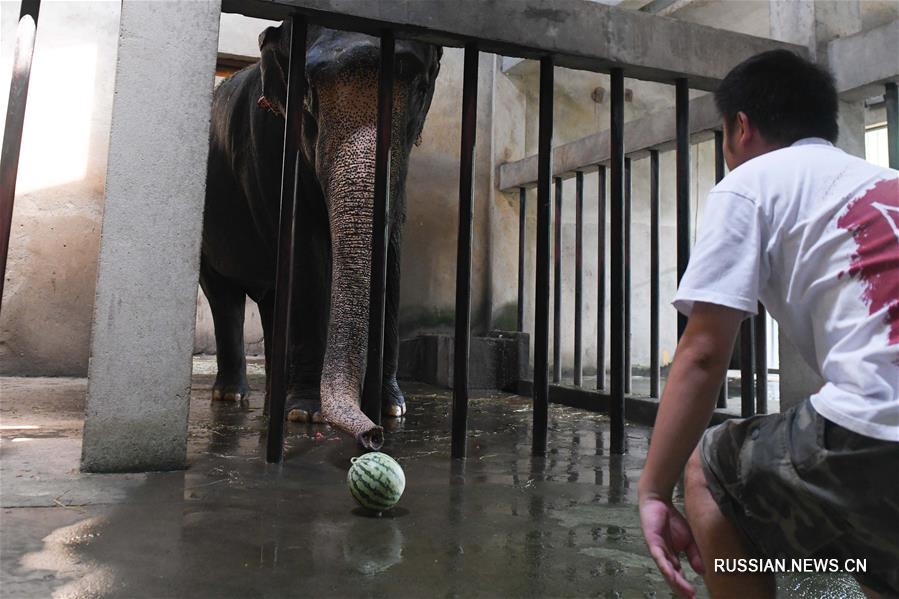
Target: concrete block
[(582, 34), (497, 361), (863, 62), (655, 131), (143, 326)]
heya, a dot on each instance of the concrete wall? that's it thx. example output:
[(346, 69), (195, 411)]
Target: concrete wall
[(45, 322), (48, 300), (578, 113)]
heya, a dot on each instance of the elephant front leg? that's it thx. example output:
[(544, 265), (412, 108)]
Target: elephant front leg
[(226, 301), (309, 313), (393, 404)]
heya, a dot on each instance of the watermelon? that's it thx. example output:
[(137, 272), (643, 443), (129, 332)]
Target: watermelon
[(376, 481)]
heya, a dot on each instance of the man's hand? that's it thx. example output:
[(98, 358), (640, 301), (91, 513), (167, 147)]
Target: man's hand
[(667, 534)]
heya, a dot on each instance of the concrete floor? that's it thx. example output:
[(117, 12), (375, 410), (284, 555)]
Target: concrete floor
[(504, 524)]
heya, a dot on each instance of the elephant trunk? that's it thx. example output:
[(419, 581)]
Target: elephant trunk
[(345, 164)]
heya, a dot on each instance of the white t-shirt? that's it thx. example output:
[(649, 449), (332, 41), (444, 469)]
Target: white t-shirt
[(813, 233)]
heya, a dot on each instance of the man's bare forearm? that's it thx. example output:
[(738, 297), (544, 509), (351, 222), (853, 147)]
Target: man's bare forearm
[(689, 399)]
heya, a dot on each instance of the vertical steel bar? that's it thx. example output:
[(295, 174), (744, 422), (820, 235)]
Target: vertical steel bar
[(374, 370), (26, 32), (557, 284), (719, 174), (578, 278), (682, 119), (654, 368), (601, 279), (891, 98), (627, 276), (290, 184), (747, 361), (761, 361), (463, 254), (616, 192), (522, 248), (541, 294)]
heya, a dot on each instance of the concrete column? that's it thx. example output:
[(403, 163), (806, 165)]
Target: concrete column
[(144, 311)]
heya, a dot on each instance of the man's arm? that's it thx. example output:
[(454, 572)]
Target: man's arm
[(690, 394), (699, 366)]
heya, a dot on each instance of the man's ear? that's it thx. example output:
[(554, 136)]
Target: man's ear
[(274, 83), (743, 128)]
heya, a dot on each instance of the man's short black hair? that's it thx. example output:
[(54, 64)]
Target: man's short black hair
[(785, 96)]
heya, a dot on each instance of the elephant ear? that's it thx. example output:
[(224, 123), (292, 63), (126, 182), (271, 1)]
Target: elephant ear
[(423, 93), (272, 67)]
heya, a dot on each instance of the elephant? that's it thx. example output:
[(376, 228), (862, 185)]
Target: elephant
[(330, 312)]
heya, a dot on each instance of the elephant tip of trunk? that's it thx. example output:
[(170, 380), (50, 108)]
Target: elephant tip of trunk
[(373, 438)]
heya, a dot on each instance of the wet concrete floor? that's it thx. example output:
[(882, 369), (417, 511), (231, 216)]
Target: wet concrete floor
[(503, 524)]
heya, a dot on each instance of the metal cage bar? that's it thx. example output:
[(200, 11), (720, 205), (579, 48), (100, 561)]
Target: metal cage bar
[(463, 254), (616, 193), (747, 363), (26, 33), (601, 278), (628, 332), (654, 368), (541, 295), (374, 370), (891, 98), (522, 248), (290, 185), (719, 174), (557, 283), (682, 126), (579, 279), (761, 361)]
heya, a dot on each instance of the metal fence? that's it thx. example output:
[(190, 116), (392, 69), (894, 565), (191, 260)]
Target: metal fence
[(752, 343), (616, 170)]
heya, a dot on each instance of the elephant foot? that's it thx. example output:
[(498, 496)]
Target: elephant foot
[(302, 408), (372, 439), (393, 404), (230, 391)]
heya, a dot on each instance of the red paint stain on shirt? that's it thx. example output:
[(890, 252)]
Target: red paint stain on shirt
[(873, 221)]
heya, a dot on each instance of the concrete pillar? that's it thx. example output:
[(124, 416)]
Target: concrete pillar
[(144, 311), (813, 23)]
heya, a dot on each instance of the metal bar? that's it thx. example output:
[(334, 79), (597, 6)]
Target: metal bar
[(654, 368), (601, 279), (463, 253), (719, 174), (579, 279), (522, 247), (682, 126), (26, 32), (541, 292), (747, 361), (627, 276), (557, 284), (374, 370), (891, 98), (290, 185), (761, 361), (616, 192)]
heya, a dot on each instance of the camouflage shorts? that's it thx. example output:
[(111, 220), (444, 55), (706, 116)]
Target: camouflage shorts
[(797, 486)]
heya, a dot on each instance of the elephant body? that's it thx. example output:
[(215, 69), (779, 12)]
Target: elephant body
[(329, 321)]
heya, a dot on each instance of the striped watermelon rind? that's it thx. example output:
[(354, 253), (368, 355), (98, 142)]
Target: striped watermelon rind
[(376, 481)]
